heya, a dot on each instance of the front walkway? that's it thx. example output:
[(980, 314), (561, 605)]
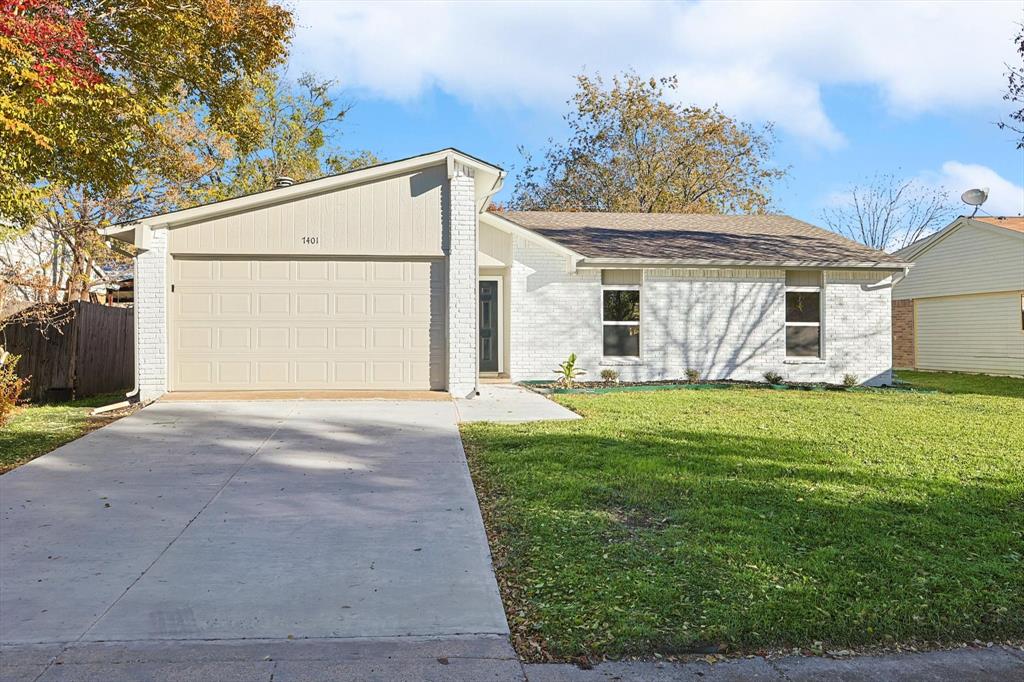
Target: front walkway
[(248, 520), (510, 403)]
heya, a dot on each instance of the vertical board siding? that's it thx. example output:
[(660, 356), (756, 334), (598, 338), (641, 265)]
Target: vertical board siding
[(398, 216)]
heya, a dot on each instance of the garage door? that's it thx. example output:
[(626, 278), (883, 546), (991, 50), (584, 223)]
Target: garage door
[(972, 333), (269, 324)]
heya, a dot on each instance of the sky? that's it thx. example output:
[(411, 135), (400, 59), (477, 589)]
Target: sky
[(853, 89)]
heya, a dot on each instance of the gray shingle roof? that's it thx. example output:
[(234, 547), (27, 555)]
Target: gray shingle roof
[(754, 239)]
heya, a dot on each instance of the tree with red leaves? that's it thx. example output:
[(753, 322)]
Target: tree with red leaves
[(82, 82)]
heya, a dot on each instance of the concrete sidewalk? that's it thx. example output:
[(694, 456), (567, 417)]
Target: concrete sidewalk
[(459, 659), (510, 403)]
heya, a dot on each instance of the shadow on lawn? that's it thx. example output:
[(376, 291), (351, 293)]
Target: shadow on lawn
[(753, 541)]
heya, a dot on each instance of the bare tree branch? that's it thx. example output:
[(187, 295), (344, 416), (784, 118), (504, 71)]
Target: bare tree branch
[(889, 213)]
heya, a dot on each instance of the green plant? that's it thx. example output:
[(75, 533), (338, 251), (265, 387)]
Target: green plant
[(568, 371), (609, 376), (693, 376), (851, 380), (773, 377), (11, 385)]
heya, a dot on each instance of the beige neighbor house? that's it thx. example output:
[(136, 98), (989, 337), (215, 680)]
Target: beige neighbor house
[(961, 307), (396, 277)]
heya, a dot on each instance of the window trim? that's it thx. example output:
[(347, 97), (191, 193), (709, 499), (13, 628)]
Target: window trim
[(620, 323), (820, 324)]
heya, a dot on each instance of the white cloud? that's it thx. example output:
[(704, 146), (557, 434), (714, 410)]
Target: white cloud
[(1004, 196), (758, 60)]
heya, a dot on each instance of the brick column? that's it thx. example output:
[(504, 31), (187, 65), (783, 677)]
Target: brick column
[(903, 334), (462, 283), (151, 315)]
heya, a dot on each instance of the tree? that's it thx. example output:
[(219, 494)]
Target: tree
[(187, 161), (84, 80), (888, 213), (1015, 91), (631, 149), (298, 125)]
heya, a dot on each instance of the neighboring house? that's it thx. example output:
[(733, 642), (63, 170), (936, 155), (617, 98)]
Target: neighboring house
[(117, 286), (396, 277), (961, 308)]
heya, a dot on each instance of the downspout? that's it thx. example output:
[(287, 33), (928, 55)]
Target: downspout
[(132, 396)]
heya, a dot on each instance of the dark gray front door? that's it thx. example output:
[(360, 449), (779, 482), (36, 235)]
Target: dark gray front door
[(489, 326)]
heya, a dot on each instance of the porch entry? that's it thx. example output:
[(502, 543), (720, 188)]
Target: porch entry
[(490, 337)]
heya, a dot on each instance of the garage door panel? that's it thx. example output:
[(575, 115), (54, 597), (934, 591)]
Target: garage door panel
[(260, 324)]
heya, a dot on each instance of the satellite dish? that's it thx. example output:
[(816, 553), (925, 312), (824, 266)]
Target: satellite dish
[(975, 198)]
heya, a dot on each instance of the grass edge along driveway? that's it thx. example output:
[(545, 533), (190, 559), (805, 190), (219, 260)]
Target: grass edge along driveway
[(665, 522), (34, 430)]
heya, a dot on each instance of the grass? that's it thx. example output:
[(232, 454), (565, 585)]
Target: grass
[(34, 430), (665, 521), (952, 382)]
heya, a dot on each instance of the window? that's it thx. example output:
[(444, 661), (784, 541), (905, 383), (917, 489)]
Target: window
[(803, 314), (621, 320)]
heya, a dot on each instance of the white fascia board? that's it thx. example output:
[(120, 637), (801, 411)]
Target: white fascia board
[(313, 187), (512, 228), (640, 263), (911, 252)]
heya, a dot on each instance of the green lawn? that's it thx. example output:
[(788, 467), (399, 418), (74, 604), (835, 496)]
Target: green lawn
[(951, 382), (665, 521), (34, 430)]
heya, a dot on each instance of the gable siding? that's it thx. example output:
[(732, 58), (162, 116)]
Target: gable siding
[(495, 244), (398, 216), (972, 259)]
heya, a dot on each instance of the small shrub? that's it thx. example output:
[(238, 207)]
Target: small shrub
[(609, 376), (693, 376), (568, 371), (773, 377), (851, 380), (11, 385)]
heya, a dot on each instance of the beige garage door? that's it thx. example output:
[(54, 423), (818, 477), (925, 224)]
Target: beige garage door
[(267, 324)]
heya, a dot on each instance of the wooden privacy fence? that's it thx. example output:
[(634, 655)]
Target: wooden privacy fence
[(93, 353)]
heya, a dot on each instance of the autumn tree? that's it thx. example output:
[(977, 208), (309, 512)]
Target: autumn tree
[(632, 147), (297, 127), (84, 80), (889, 213), (1015, 91)]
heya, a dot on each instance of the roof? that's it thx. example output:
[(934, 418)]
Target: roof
[(912, 251), (1015, 223), (769, 240)]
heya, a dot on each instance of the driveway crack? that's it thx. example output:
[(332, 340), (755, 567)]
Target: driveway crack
[(188, 525)]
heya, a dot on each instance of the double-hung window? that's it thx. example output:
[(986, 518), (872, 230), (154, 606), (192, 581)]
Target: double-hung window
[(803, 314), (620, 313)]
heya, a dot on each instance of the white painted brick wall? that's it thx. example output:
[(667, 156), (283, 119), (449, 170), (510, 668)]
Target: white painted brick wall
[(151, 317), (728, 324), (462, 284)]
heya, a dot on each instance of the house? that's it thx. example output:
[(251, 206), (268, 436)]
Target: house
[(397, 277), (961, 308)]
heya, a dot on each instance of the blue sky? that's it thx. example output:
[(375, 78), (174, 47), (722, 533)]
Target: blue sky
[(853, 88)]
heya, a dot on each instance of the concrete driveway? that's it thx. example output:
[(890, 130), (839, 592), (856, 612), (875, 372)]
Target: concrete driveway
[(249, 520)]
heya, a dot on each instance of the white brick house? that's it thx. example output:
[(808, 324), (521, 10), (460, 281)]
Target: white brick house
[(396, 277)]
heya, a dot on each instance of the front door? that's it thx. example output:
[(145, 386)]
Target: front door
[(489, 326)]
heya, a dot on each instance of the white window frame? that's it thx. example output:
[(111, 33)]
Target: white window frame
[(623, 287), (820, 324)]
